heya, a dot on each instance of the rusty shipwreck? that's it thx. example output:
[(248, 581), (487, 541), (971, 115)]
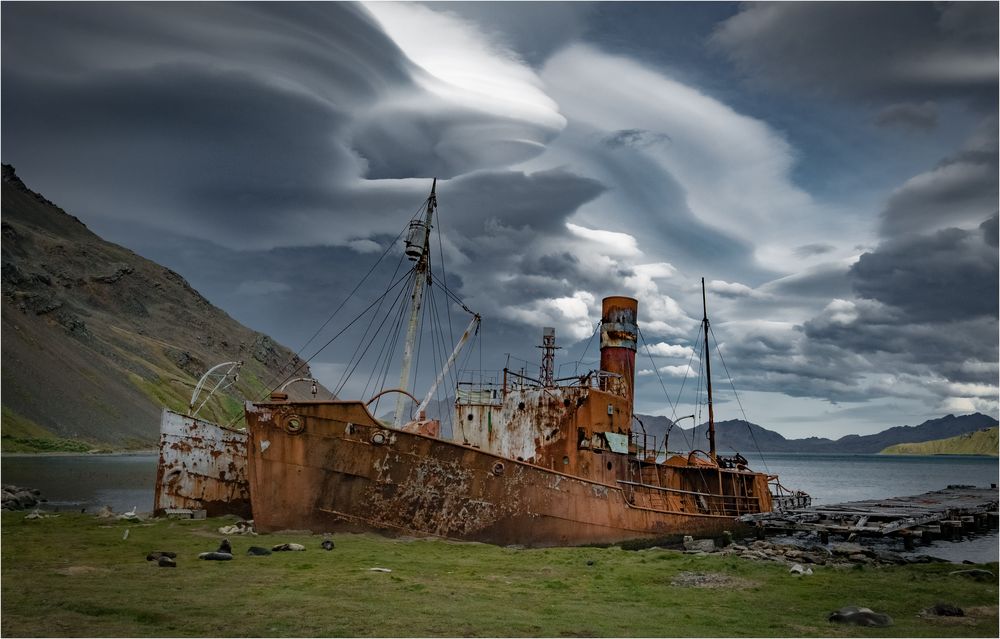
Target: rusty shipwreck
[(529, 461)]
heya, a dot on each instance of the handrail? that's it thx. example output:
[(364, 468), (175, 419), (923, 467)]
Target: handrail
[(687, 492)]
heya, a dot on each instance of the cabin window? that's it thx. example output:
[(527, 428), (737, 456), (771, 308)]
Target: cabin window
[(610, 466), (520, 406), (565, 460), (469, 417)]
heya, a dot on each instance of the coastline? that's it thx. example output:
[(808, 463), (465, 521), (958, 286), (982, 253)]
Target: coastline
[(119, 453)]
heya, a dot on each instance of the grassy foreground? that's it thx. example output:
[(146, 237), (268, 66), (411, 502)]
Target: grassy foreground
[(75, 575)]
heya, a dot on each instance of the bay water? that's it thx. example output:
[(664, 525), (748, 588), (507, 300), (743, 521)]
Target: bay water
[(125, 481)]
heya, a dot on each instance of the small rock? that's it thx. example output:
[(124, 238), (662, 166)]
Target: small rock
[(258, 551), (215, 556), (379, 570), (889, 557), (590, 562), (847, 549), (945, 610), (798, 569), (858, 558), (702, 545), (166, 562), (858, 616), (288, 547), (327, 544)]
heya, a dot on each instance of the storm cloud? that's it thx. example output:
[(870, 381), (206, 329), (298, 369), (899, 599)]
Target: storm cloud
[(841, 205)]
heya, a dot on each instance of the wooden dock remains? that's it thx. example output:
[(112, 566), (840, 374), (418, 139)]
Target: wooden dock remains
[(949, 513)]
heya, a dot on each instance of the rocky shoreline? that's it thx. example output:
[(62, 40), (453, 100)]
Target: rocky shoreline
[(18, 498), (835, 554)]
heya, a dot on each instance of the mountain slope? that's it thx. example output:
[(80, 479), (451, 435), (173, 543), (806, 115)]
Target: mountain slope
[(96, 338), (980, 442)]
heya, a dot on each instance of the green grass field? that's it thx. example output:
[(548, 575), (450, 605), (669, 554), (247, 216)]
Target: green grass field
[(74, 575)]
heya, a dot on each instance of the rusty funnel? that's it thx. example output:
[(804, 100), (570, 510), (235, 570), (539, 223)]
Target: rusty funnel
[(619, 333)]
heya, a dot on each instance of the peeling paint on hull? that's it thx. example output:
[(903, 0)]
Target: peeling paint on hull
[(342, 470), (201, 466)]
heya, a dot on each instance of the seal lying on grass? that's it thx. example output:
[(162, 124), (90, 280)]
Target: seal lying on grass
[(156, 554), (216, 556), (258, 551), (860, 617)]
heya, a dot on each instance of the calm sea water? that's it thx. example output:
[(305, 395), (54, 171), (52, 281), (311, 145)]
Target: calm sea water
[(76, 482)]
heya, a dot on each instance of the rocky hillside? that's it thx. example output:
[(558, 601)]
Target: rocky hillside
[(980, 442), (738, 435), (96, 338)]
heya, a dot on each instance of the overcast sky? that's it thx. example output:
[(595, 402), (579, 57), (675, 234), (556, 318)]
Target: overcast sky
[(829, 168)]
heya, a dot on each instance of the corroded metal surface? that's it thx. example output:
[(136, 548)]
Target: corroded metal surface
[(619, 335), (201, 466), (345, 471)]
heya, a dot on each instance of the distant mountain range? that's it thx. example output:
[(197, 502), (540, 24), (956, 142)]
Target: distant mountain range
[(96, 339), (738, 435)]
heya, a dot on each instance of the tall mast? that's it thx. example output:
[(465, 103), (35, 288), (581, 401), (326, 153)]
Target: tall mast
[(417, 248), (708, 376)]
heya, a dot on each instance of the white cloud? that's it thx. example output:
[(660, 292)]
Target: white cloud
[(731, 289), (611, 243), (678, 371), (570, 315), (465, 65), (662, 349), (365, 246), (734, 171)]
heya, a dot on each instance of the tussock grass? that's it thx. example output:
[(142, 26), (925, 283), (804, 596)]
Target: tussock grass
[(75, 576)]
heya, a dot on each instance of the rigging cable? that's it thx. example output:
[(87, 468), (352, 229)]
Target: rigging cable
[(371, 270), (739, 403)]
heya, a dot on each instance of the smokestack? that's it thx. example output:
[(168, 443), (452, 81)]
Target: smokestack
[(619, 334)]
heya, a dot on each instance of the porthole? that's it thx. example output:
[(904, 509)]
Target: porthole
[(294, 424), (498, 469), (565, 460), (379, 438), (520, 406), (469, 417), (610, 466)]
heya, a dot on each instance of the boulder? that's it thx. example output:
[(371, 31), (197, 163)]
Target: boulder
[(701, 545)]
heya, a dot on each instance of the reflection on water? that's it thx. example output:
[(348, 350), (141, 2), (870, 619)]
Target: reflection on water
[(75, 482)]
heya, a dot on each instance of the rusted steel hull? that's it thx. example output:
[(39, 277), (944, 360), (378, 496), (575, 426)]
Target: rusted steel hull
[(330, 466), (201, 466)]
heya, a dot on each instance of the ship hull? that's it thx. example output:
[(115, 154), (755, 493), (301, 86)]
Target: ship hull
[(330, 466), (201, 466)]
